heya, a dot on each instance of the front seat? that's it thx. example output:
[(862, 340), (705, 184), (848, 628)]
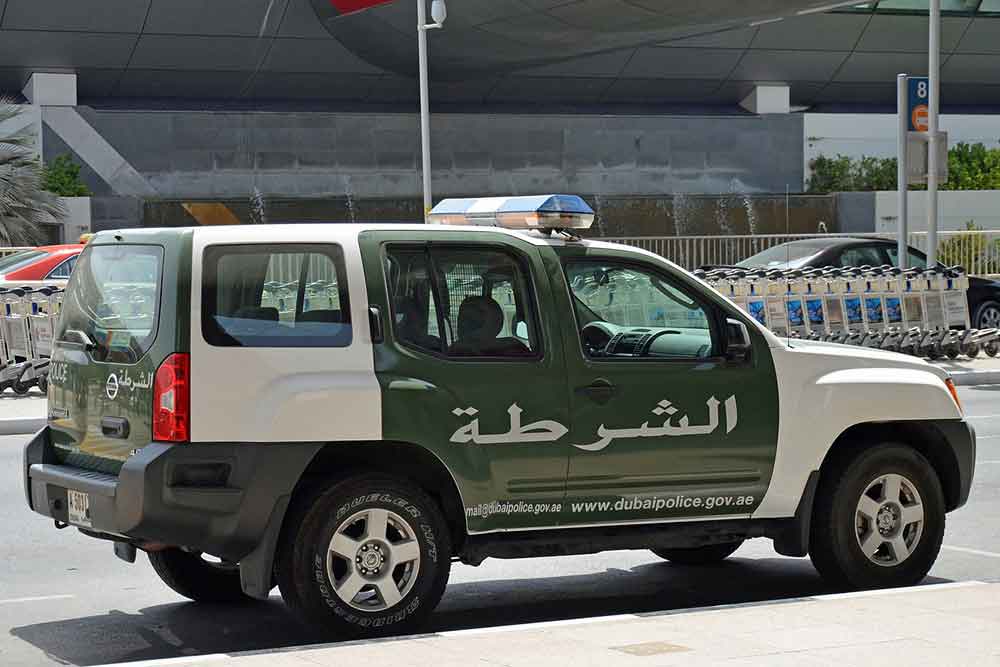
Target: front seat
[(480, 320)]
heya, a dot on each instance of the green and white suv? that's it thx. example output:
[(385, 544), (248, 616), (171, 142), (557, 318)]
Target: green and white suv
[(345, 410)]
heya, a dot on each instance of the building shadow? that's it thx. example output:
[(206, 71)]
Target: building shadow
[(190, 629)]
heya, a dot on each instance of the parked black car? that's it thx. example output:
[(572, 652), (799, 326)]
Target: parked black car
[(984, 293)]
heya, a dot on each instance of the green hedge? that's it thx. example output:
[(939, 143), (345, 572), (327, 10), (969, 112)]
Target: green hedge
[(970, 166)]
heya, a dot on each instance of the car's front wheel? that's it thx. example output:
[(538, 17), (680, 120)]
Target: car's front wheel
[(704, 555), (371, 556), (879, 519)]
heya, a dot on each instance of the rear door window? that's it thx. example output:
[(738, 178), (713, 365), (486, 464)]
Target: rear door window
[(113, 298), (287, 296)]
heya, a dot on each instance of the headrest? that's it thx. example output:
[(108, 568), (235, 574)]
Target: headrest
[(479, 318)]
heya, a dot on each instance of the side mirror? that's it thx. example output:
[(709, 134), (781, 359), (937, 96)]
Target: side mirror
[(738, 345)]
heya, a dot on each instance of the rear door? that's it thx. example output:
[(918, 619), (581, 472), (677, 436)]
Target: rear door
[(113, 332), (472, 368)]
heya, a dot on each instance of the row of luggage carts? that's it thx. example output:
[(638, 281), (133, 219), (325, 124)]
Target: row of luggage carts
[(27, 322), (922, 312)]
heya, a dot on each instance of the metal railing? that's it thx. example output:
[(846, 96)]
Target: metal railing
[(10, 251), (978, 252)]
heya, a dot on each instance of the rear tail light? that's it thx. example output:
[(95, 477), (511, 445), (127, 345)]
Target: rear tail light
[(172, 399)]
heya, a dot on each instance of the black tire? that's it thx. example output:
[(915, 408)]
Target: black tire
[(190, 575), (43, 384), (834, 544), (971, 350), (992, 348), (986, 313), (304, 570), (706, 555), (952, 351), (20, 388)]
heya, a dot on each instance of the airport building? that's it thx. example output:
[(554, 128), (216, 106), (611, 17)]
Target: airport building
[(198, 112)]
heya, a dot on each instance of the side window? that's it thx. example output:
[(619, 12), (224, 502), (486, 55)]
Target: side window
[(627, 311), (275, 296), (861, 256), (63, 271), (913, 260), (461, 302)]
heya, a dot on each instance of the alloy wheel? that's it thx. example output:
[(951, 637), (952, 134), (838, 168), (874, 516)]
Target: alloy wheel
[(889, 520), (373, 559)]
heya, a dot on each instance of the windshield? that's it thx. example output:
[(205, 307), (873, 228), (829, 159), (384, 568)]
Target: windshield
[(112, 298), (787, 255)]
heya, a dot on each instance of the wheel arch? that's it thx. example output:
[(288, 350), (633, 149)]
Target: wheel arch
[(924, 437), (401, 459)]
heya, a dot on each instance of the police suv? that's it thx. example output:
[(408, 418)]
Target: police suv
[(343, 411)]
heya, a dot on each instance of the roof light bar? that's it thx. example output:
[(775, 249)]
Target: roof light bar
[(534, 212)]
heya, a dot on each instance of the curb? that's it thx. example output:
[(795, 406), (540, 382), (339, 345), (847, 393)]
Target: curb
[(21, 425), (276, 653), (975, 378)]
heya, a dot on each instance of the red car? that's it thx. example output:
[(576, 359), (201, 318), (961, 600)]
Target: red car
[(50, 262)]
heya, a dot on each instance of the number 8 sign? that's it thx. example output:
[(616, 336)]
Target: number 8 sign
[(918, 94)]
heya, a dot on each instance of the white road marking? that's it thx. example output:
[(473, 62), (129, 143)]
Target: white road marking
[(980, 463), (975, 552), (41, 598)]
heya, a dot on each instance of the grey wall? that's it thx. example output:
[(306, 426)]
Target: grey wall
[(855, 212), (216, 155)]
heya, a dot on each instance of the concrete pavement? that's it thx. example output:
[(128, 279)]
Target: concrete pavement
[(22, 414), (973, 372), (946, 624)]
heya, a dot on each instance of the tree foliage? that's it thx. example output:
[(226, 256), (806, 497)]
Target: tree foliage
[(24, 204), (62, 177), (970, 166)]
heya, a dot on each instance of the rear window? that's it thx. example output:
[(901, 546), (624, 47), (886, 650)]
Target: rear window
[(113, 298), (293, 295), (20, 259)]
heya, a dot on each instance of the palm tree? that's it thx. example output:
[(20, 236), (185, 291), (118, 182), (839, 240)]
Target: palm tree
[(24, 205)]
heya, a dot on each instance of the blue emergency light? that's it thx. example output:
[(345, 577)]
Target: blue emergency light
[(531, 212)]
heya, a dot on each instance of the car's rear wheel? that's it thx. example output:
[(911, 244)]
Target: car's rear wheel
[(879, 519), (987, 316), (705, 555), (197, 577), (371, 556)]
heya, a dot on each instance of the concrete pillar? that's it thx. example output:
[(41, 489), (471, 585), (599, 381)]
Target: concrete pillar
[(51, 90), (768, 98)]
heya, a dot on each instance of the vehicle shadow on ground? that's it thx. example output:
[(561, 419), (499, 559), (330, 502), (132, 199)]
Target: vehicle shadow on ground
[(190, 629)]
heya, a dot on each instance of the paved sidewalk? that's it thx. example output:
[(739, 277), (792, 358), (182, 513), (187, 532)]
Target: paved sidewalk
[(22, 414), (946, 624), (966, 372)]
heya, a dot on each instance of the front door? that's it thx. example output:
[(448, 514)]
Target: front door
[(663, 425)]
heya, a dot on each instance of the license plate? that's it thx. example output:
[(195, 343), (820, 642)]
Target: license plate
[(79, 508)]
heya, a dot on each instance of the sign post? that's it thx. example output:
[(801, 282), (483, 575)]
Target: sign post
[(905, 113)]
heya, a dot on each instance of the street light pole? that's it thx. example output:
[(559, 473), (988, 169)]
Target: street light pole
[(425, 114), (933, 108), (439, 12)]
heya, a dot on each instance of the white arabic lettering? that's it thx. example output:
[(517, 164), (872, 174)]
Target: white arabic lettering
[(545, 430), (682, 428)]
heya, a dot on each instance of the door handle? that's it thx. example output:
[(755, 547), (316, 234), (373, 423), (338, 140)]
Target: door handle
[(600, 391), (115, 427)]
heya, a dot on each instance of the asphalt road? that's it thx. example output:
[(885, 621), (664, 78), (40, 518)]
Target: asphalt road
[(66, 599)]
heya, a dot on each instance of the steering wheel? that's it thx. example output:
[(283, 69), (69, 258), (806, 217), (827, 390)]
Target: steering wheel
[(595, 339)]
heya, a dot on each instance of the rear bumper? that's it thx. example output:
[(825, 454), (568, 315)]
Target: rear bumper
[(216, 498)]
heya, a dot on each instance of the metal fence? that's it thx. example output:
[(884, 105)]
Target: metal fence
[(978, 252)]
